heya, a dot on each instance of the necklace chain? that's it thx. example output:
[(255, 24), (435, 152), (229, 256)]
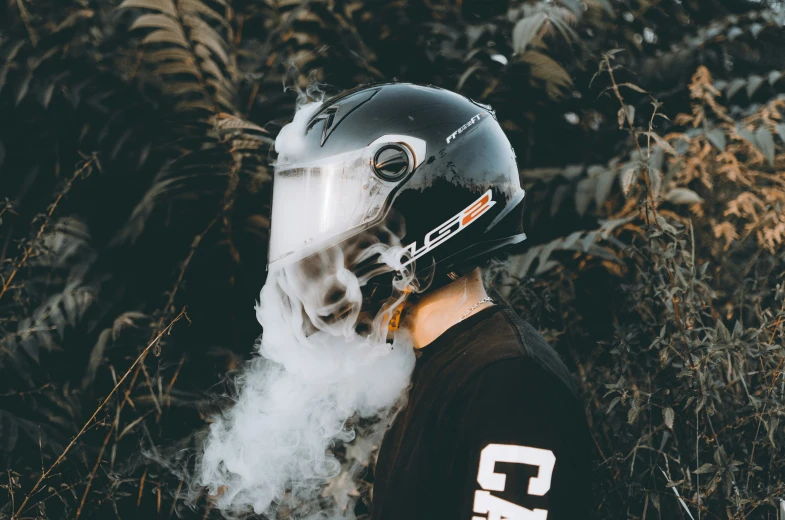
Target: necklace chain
[(486, 299)]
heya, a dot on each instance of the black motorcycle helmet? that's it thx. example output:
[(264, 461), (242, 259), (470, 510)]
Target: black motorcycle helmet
[(427, 164)]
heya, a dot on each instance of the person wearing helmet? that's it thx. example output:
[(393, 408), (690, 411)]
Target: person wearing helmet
[(493, 427)]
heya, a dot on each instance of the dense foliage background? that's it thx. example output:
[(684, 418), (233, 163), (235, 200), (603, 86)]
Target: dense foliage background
[(134, 184)]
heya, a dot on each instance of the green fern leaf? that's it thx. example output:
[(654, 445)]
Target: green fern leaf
[(164, 36), (160, 21), (163, 6)]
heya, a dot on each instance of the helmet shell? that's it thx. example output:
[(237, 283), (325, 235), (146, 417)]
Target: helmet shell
[(463, 200)]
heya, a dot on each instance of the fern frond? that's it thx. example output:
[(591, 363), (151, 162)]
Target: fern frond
[(160, 21), (201, 32), (185, 43), (546, 69), (229, 122), (175, 67), (166, 36), (163, 6), (171, 53), (583, 242), (196, 6)]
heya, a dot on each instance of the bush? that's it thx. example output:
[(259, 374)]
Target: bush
[(133, 166)]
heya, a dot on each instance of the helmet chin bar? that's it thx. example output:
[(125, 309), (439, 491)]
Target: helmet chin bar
[(323, 276), (378, 296)]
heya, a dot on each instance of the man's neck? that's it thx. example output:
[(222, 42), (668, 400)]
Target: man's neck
[(437, 311)]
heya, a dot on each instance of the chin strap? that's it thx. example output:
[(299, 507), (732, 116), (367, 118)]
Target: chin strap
[(395, 318)]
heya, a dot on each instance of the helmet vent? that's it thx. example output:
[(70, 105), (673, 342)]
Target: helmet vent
[(391, 162), (327, 115)]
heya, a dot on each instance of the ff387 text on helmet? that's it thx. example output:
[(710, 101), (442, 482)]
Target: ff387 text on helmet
[(427, 164)]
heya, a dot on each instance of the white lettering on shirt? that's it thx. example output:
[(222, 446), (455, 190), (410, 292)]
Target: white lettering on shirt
[(497, 508)]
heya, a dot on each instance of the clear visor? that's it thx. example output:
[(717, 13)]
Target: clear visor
[(313, 203)]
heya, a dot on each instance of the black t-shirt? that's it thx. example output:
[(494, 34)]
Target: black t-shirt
[(493, 430)]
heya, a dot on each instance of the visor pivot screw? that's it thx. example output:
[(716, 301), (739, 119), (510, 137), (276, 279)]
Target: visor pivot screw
[(392, 162)]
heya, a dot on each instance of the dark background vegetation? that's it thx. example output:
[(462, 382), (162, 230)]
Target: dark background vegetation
[(134, 183)]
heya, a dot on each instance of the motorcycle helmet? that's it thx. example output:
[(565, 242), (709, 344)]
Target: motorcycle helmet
[(433, 165)]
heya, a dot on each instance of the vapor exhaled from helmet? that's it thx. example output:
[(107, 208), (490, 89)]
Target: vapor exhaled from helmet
[(314, 381), (298, 398)]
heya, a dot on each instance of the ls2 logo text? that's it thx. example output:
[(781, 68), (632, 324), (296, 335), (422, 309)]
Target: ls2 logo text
[(452, 227)]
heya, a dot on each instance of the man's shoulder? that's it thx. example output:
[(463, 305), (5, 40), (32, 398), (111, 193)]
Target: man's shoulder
[(505, 345)]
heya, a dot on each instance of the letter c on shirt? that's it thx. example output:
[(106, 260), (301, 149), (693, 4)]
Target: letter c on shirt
[(487, 477)]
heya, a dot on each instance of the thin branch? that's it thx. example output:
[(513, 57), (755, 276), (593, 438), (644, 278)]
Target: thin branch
[(25, 15), (95, 413), (93, 472), (47, 219)]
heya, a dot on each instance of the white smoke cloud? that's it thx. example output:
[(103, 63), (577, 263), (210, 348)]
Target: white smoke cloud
[(295, 401), (289, 144), (312, 380)]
